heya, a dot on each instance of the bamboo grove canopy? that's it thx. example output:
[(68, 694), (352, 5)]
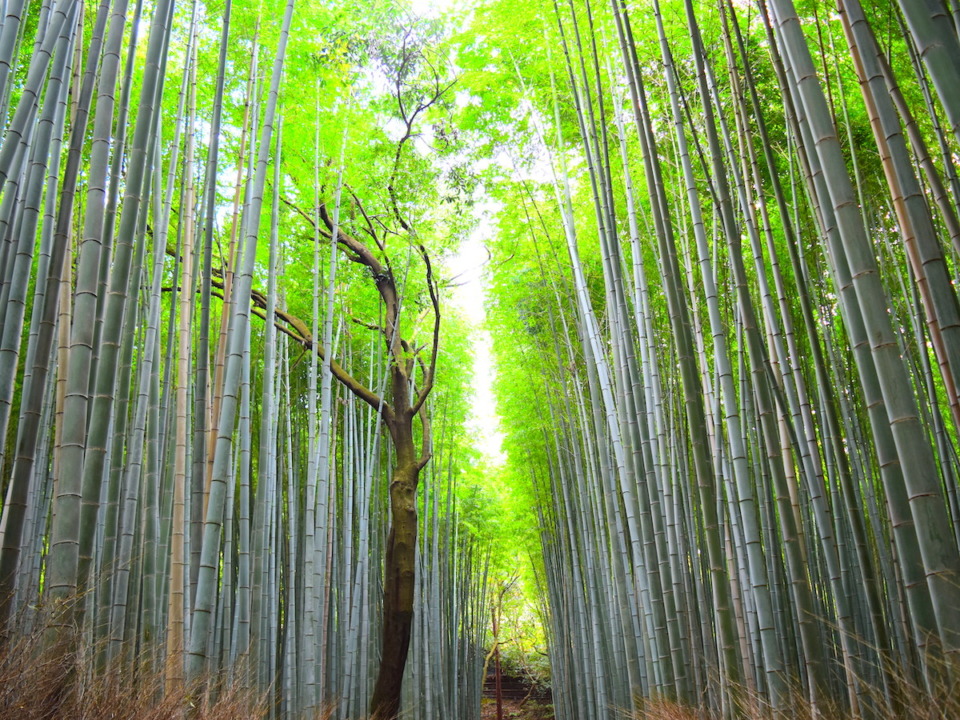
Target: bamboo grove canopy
[(723, 247)]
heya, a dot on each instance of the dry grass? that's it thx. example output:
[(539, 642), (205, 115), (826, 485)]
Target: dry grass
[(37, 683), (665, 710), (662, 709), (911, 701)]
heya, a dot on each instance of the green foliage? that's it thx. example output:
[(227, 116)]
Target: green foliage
[(500, 105)]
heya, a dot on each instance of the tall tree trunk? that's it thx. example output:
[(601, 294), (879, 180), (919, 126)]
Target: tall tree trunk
[(399, 580)]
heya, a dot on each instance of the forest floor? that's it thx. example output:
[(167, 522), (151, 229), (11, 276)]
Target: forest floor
[(516, 710)]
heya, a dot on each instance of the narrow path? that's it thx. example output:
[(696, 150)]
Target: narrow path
[(516, 710), (520, 701)]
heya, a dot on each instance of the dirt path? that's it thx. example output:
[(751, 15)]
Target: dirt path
[(515, 710)]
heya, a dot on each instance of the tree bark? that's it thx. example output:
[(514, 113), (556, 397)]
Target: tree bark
[(399, 568)]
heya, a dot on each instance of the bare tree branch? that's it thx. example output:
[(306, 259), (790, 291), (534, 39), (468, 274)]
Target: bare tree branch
[(431, 369)]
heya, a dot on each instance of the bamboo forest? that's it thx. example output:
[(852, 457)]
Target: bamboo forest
[(479, 359)]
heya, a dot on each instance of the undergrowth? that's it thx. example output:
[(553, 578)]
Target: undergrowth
[(907, 699), (43, 682)]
